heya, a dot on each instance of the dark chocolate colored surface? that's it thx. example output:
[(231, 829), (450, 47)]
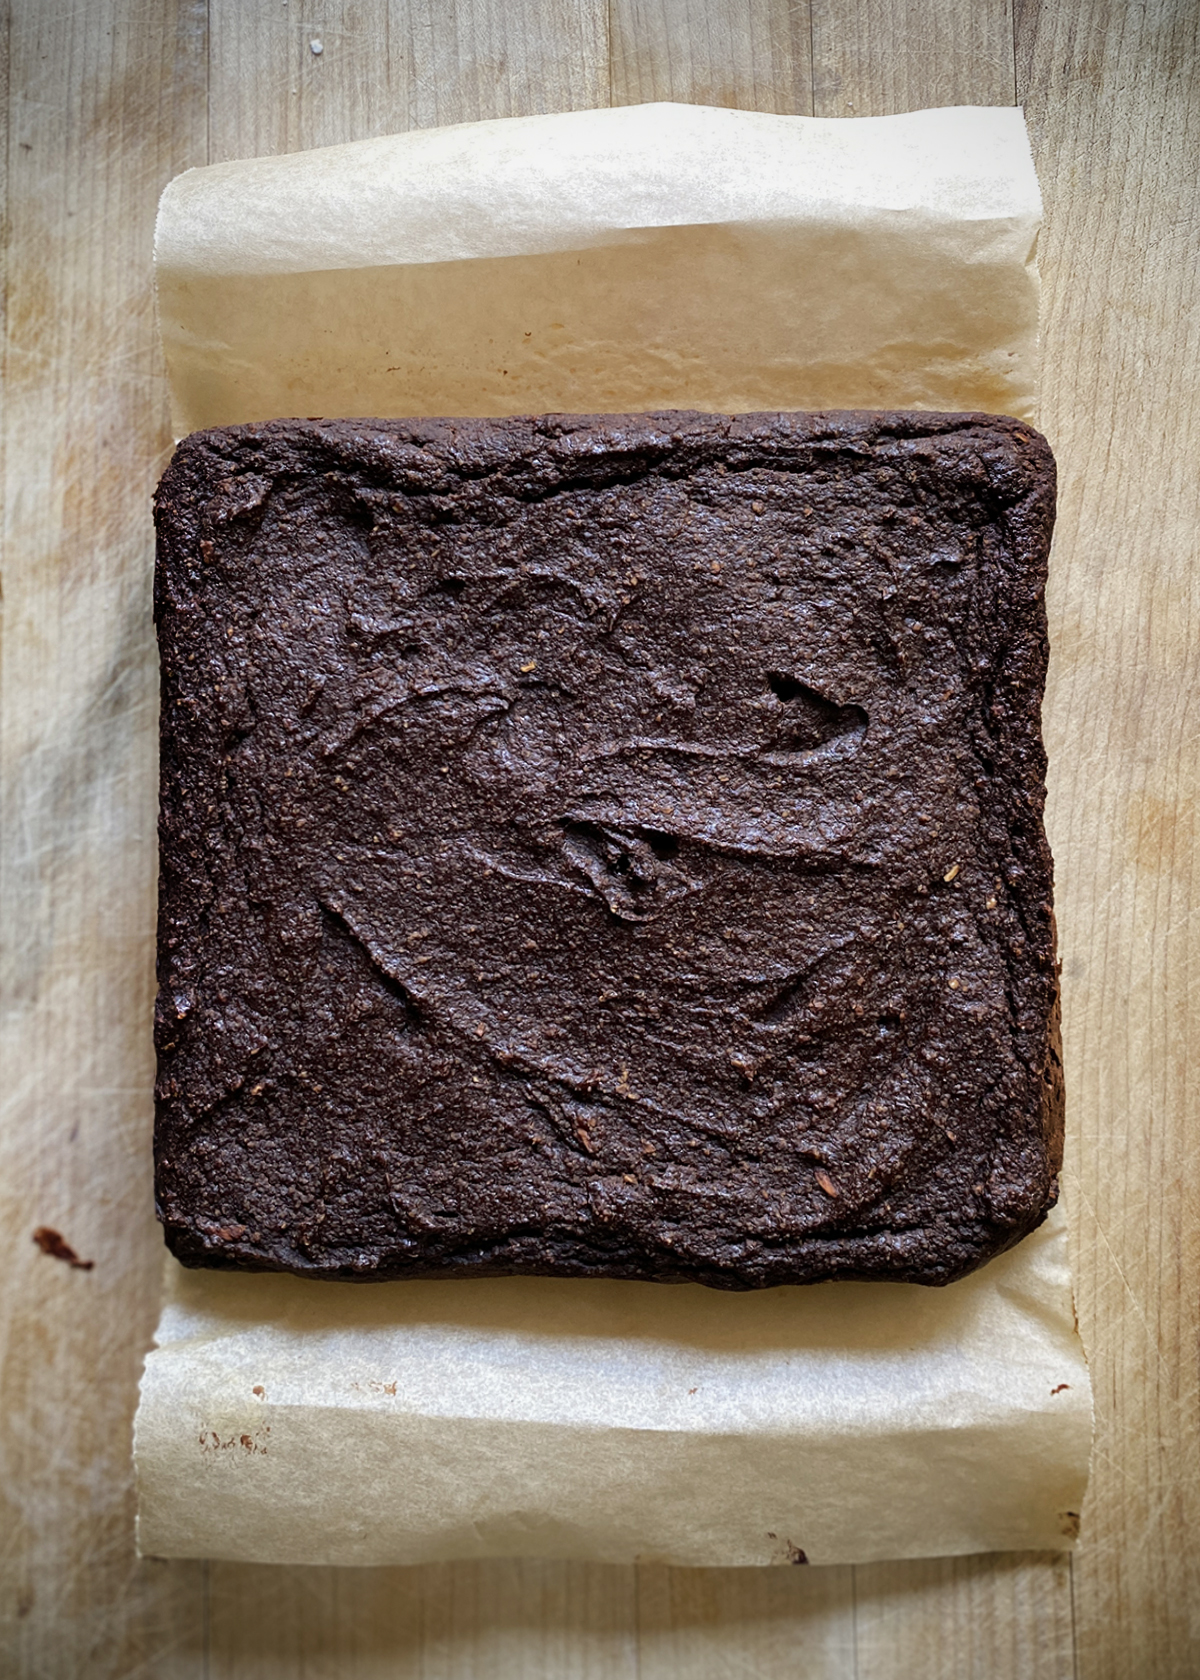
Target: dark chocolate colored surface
[(606, 847)]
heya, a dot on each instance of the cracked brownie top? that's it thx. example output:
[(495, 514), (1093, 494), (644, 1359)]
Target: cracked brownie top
[(606, 846)]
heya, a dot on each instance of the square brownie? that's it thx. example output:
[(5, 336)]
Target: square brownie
[(606, 846)]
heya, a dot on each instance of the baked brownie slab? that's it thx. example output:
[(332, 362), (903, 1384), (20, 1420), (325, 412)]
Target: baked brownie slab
[(606, 847)]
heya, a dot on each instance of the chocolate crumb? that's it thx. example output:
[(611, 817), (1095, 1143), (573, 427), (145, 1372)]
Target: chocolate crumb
[(53, 1242)]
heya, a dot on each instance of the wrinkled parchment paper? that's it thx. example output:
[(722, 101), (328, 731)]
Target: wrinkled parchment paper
[(647, 257), (294, 1421), (641, 258)]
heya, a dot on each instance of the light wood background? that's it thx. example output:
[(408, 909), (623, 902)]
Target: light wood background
[(107, 100)]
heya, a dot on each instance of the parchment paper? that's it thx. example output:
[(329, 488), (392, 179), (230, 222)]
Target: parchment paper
[(655, 256), (648, 257), (305, 1422)]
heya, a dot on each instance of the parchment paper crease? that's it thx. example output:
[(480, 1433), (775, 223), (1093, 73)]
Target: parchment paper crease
[(649, 257)]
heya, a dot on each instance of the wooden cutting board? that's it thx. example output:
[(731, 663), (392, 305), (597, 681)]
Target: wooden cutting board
[(106, 102)]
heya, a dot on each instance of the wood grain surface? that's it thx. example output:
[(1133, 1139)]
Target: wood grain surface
[(107, 99)]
